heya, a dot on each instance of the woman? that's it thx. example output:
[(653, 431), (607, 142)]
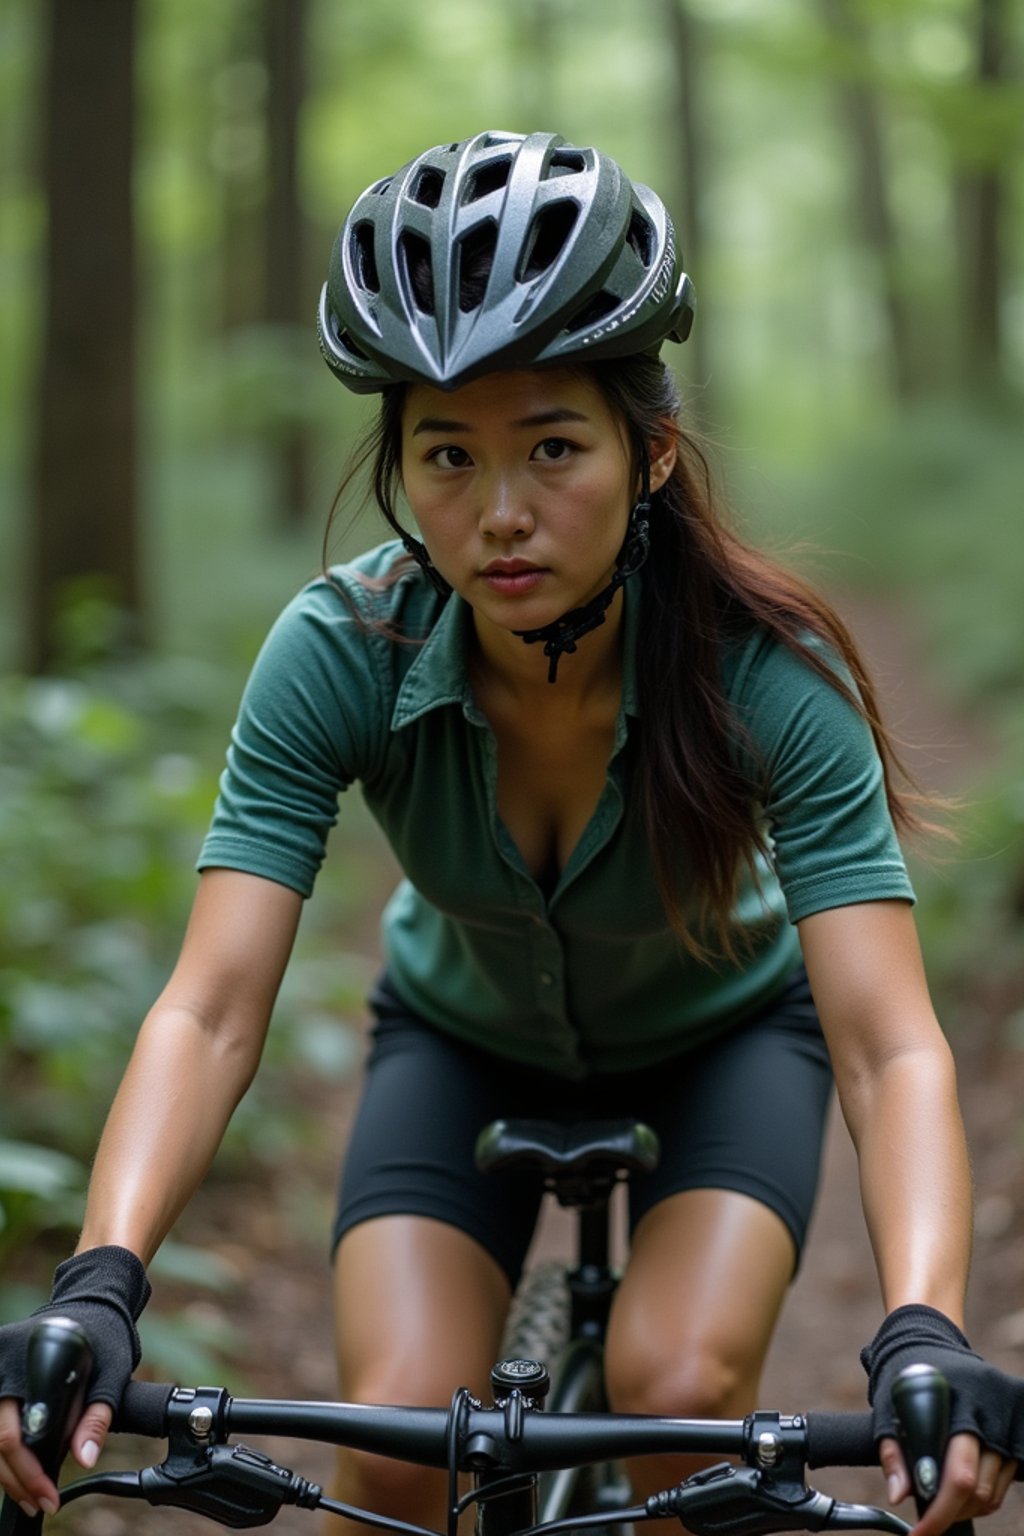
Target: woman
[(636, 780)]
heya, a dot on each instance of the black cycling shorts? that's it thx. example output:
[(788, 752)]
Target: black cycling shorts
[(745, 1112)]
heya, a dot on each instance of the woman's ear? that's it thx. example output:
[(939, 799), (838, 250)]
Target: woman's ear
[(663, 450)]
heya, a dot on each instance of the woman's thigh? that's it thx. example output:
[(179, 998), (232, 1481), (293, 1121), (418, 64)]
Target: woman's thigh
[(719, 1225), (419, 1310), (745, 1113), (695, 1311), (425, 1099)]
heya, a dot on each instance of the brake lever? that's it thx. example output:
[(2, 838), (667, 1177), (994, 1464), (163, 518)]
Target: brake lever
[(724, 1500), (232, 1484), (120, 1485)]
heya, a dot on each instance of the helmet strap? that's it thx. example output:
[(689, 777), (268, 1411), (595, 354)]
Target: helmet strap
[(560, 636), (418, 552)]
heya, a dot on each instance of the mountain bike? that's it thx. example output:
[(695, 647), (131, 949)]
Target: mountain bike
[(545, 1456)]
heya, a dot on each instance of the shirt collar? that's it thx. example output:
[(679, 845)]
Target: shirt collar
[(438, 675)]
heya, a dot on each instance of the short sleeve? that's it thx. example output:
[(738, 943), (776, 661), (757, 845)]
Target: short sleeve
[(822, 786), (310, 723)]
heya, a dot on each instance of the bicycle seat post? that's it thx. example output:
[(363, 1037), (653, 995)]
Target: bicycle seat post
[(592, 1282)]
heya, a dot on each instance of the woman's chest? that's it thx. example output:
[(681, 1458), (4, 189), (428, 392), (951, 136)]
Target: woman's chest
[(550, 777)]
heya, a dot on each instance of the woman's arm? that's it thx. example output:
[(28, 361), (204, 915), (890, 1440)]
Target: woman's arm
[(897, 1087), (195, 1056)]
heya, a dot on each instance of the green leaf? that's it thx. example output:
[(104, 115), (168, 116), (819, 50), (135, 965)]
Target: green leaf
[(39, 1171), (186, 1264)]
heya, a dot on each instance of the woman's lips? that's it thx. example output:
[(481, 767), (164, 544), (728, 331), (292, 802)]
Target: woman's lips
[(512, 578)]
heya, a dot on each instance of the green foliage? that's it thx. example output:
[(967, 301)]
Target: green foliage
[(40, 1188), (101, 793)]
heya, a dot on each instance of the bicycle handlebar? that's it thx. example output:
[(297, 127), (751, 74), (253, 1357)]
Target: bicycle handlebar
[(509, 1441), (547, 1441)]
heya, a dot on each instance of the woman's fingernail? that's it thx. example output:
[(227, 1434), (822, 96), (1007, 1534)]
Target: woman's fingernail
[(47, 1506), (29, 1509), (90, 1453), (894, 1489)]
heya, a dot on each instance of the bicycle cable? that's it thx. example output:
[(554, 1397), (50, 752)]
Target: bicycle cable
[(382, 1522), (460, 1403)]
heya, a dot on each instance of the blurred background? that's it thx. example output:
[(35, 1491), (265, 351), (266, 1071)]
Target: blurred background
[(848, 180)]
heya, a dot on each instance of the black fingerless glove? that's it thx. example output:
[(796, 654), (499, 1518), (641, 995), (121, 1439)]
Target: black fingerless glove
[(984, 1401), (103, 1290)]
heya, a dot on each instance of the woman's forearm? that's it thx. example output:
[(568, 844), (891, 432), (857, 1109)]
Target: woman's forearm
[(915, 1180), (166, 1123)]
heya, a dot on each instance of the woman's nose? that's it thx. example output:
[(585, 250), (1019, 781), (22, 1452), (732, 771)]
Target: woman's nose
[(505, 509)]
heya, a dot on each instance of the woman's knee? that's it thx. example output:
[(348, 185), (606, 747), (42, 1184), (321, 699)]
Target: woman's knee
[(694, 1381), (396, 1488)]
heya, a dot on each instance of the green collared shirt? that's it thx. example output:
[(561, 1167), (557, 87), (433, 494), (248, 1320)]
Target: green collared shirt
[(591, 976)]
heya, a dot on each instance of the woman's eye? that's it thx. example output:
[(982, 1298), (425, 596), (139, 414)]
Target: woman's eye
[(450, 457), (552, 449)]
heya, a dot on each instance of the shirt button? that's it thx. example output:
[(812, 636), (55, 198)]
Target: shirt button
[(546, 979)]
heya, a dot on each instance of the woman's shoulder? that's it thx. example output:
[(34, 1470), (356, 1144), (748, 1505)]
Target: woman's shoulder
[(756, 660), (365, 601)]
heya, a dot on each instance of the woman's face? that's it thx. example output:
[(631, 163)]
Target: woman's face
[(521, 485)]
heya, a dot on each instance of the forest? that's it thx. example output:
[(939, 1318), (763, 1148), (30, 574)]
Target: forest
[(847, 177)]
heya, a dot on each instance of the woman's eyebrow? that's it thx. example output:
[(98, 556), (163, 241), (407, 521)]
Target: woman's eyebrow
[(439, 424), (550, 418), (539, 419)]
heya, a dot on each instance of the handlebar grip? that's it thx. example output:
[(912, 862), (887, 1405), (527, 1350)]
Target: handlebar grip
[(58, 1366), (143, 1409), (920, 1396), (840, 1440)]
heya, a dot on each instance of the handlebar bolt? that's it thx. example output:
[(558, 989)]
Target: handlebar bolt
[(200, 1423), (36, 1418), (769, 1449)]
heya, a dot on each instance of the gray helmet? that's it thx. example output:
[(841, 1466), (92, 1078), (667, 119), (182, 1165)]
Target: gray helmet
[(504, 251)]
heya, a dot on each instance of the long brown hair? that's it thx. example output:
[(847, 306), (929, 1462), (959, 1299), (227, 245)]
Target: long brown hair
[(703, 585)]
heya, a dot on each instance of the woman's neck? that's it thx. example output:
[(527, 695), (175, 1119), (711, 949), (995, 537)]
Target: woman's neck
[(502, 659)]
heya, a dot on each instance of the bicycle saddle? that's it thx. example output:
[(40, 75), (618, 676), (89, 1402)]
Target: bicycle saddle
[(592, 1152)]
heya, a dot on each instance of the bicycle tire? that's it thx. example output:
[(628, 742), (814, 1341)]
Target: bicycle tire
[(538, 1329), (538, 1319)]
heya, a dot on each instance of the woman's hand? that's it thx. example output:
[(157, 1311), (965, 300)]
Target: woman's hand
[(974, 1482), (21, 1476), (102, 1291), (986, 1409)]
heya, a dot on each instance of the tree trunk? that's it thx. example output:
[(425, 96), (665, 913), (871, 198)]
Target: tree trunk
[(286, 303), (981, 196), (859, 110), (685, 119), (84, 536)]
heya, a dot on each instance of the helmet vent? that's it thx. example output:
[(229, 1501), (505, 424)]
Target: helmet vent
[(476, 258), (489, 178), (641, 237), (419, 271), (592, 312), (428, 188), (566, 162), (365, 262), (351, 345), (548, 238)]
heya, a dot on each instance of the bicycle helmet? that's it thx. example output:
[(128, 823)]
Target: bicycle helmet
[(503, 251)]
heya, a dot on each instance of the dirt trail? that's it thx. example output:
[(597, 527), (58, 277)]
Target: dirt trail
[(284, 1292)]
